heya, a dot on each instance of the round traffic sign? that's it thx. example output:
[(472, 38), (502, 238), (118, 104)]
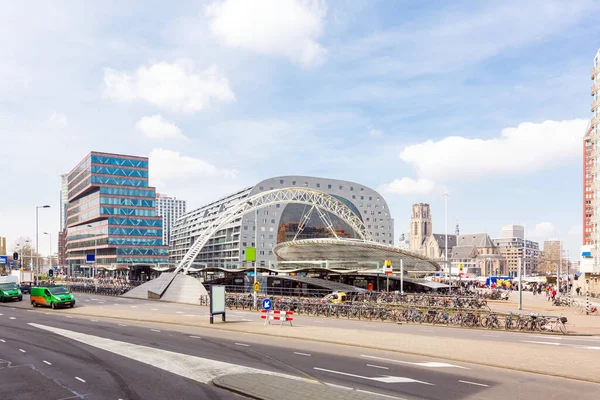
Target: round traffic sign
[(267, 304)]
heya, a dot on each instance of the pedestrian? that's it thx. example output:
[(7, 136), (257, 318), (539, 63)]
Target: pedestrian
[(578, 290)]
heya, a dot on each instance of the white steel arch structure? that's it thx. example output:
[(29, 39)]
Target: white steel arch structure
[(311, 197)]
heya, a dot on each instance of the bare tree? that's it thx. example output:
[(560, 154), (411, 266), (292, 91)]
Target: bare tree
[(27, 254)]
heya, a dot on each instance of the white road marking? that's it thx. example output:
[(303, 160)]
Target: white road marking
[(242, 344), (426, 330), (474, 383), (154, 309), (383, 379), (12, 318), (2, 340), (202, 370), (68, 316), (22, 351), (549, 343), (419, 364), (1, 314), (491, 335), (376, 366), (94, 320), (122, 325), (133, 306), (47, 362), (79, 379), (190, 315), (302, 354), (196, 337), (178, 312), (387, 396), (154, 330), (587, 347), (246, 320)]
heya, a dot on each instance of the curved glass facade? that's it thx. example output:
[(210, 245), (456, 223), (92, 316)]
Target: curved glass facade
[(293, 214)]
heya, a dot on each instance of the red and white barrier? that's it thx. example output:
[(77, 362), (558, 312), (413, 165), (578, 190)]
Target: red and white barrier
[(277, 315)]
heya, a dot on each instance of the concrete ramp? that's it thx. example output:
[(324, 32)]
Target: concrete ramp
[(168, 286)]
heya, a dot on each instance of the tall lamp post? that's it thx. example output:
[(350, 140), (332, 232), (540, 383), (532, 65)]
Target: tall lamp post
[(37, 258), (256, 252), (95, 253), (448, 266), (50, 251)]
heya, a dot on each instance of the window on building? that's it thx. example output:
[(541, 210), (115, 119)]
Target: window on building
[(318, 185), (341, 187), (281, 181), (261, 188), (328, 186), (351, 189)]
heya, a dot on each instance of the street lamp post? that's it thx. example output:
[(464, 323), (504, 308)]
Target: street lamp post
[(37, 258), (95, 253), (448, 266), (50, 251)]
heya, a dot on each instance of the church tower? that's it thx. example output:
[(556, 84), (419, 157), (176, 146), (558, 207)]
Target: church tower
[(420, 225)]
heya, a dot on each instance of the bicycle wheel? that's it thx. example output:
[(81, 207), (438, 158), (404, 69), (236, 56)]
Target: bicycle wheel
[(563, 328)]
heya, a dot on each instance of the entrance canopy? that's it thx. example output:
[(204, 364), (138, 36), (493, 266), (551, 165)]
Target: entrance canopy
[(352, 251)]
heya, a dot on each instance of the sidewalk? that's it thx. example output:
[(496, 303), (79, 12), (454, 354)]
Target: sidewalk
[(576, 324), (524, 357)]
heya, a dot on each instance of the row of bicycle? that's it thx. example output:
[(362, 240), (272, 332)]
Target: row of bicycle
[(105, 290), (412, 314)]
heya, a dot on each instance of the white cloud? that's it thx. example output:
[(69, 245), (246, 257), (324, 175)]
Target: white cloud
[(543, 231), (283, 27), (59, 119), (176, 87), (375, 132), (408, 186), (525, 149), (168, 165), (156, 127)]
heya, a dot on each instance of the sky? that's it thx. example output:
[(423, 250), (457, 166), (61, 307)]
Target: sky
[(487, 100)]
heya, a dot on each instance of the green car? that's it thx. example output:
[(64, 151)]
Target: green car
[(10, 291), (52, 296)]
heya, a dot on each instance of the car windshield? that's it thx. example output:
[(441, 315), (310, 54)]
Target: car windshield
[(59, 290), (8, 286)]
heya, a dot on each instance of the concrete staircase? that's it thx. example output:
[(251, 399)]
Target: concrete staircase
[(172, 287)]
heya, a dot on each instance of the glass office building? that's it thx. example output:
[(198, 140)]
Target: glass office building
[(111, 213)]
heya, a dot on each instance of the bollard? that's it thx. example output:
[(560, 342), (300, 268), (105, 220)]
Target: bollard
[(587, 301)]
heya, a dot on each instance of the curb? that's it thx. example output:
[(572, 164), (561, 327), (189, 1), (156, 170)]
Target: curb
[(380, 348)]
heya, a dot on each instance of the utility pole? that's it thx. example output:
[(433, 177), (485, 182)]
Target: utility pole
[(446, 240)]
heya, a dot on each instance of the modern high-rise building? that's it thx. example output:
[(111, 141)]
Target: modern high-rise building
[(516, 249), (2, 246), (590, 252), (111, 213), (170, 209), (513, 231), (279, 223)]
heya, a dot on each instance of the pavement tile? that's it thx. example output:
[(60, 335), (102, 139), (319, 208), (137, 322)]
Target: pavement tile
[(268, 387)]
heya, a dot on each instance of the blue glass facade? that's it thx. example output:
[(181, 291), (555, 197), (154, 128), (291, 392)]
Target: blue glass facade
[(111, 212)]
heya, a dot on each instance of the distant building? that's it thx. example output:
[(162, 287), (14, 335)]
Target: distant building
[(170, 209), (475, 252), (111, 213), (514, 249), (553, 257), (64, 200), (2, 246), (513, 231)]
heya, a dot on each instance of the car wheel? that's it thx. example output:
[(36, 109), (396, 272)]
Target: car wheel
[(53, 305), (72, 305), (33, 303)]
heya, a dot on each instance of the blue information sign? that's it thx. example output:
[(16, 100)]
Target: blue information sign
[(267, 304), (3, 259), (90, 258)]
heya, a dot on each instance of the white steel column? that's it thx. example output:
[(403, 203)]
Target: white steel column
[(448, 266)]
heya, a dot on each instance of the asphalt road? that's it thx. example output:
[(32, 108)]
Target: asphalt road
[(104, 360), (591, 343)]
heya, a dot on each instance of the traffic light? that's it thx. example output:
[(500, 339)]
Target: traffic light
[(15, 256), (51, 273)]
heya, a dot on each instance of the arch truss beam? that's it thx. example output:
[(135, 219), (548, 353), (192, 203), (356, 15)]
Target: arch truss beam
[(322, 201)]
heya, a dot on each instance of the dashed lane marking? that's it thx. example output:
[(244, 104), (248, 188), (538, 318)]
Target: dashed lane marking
[(474, 383), (12, 318), (122, 325), (418, 364), (94, 320), (22, 351), (302, 354), (2, 340), (47, 362), (376, 366), (154, 330), (196, 337), (242, 344), (154, 309), (535, 342), (79, 379)]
